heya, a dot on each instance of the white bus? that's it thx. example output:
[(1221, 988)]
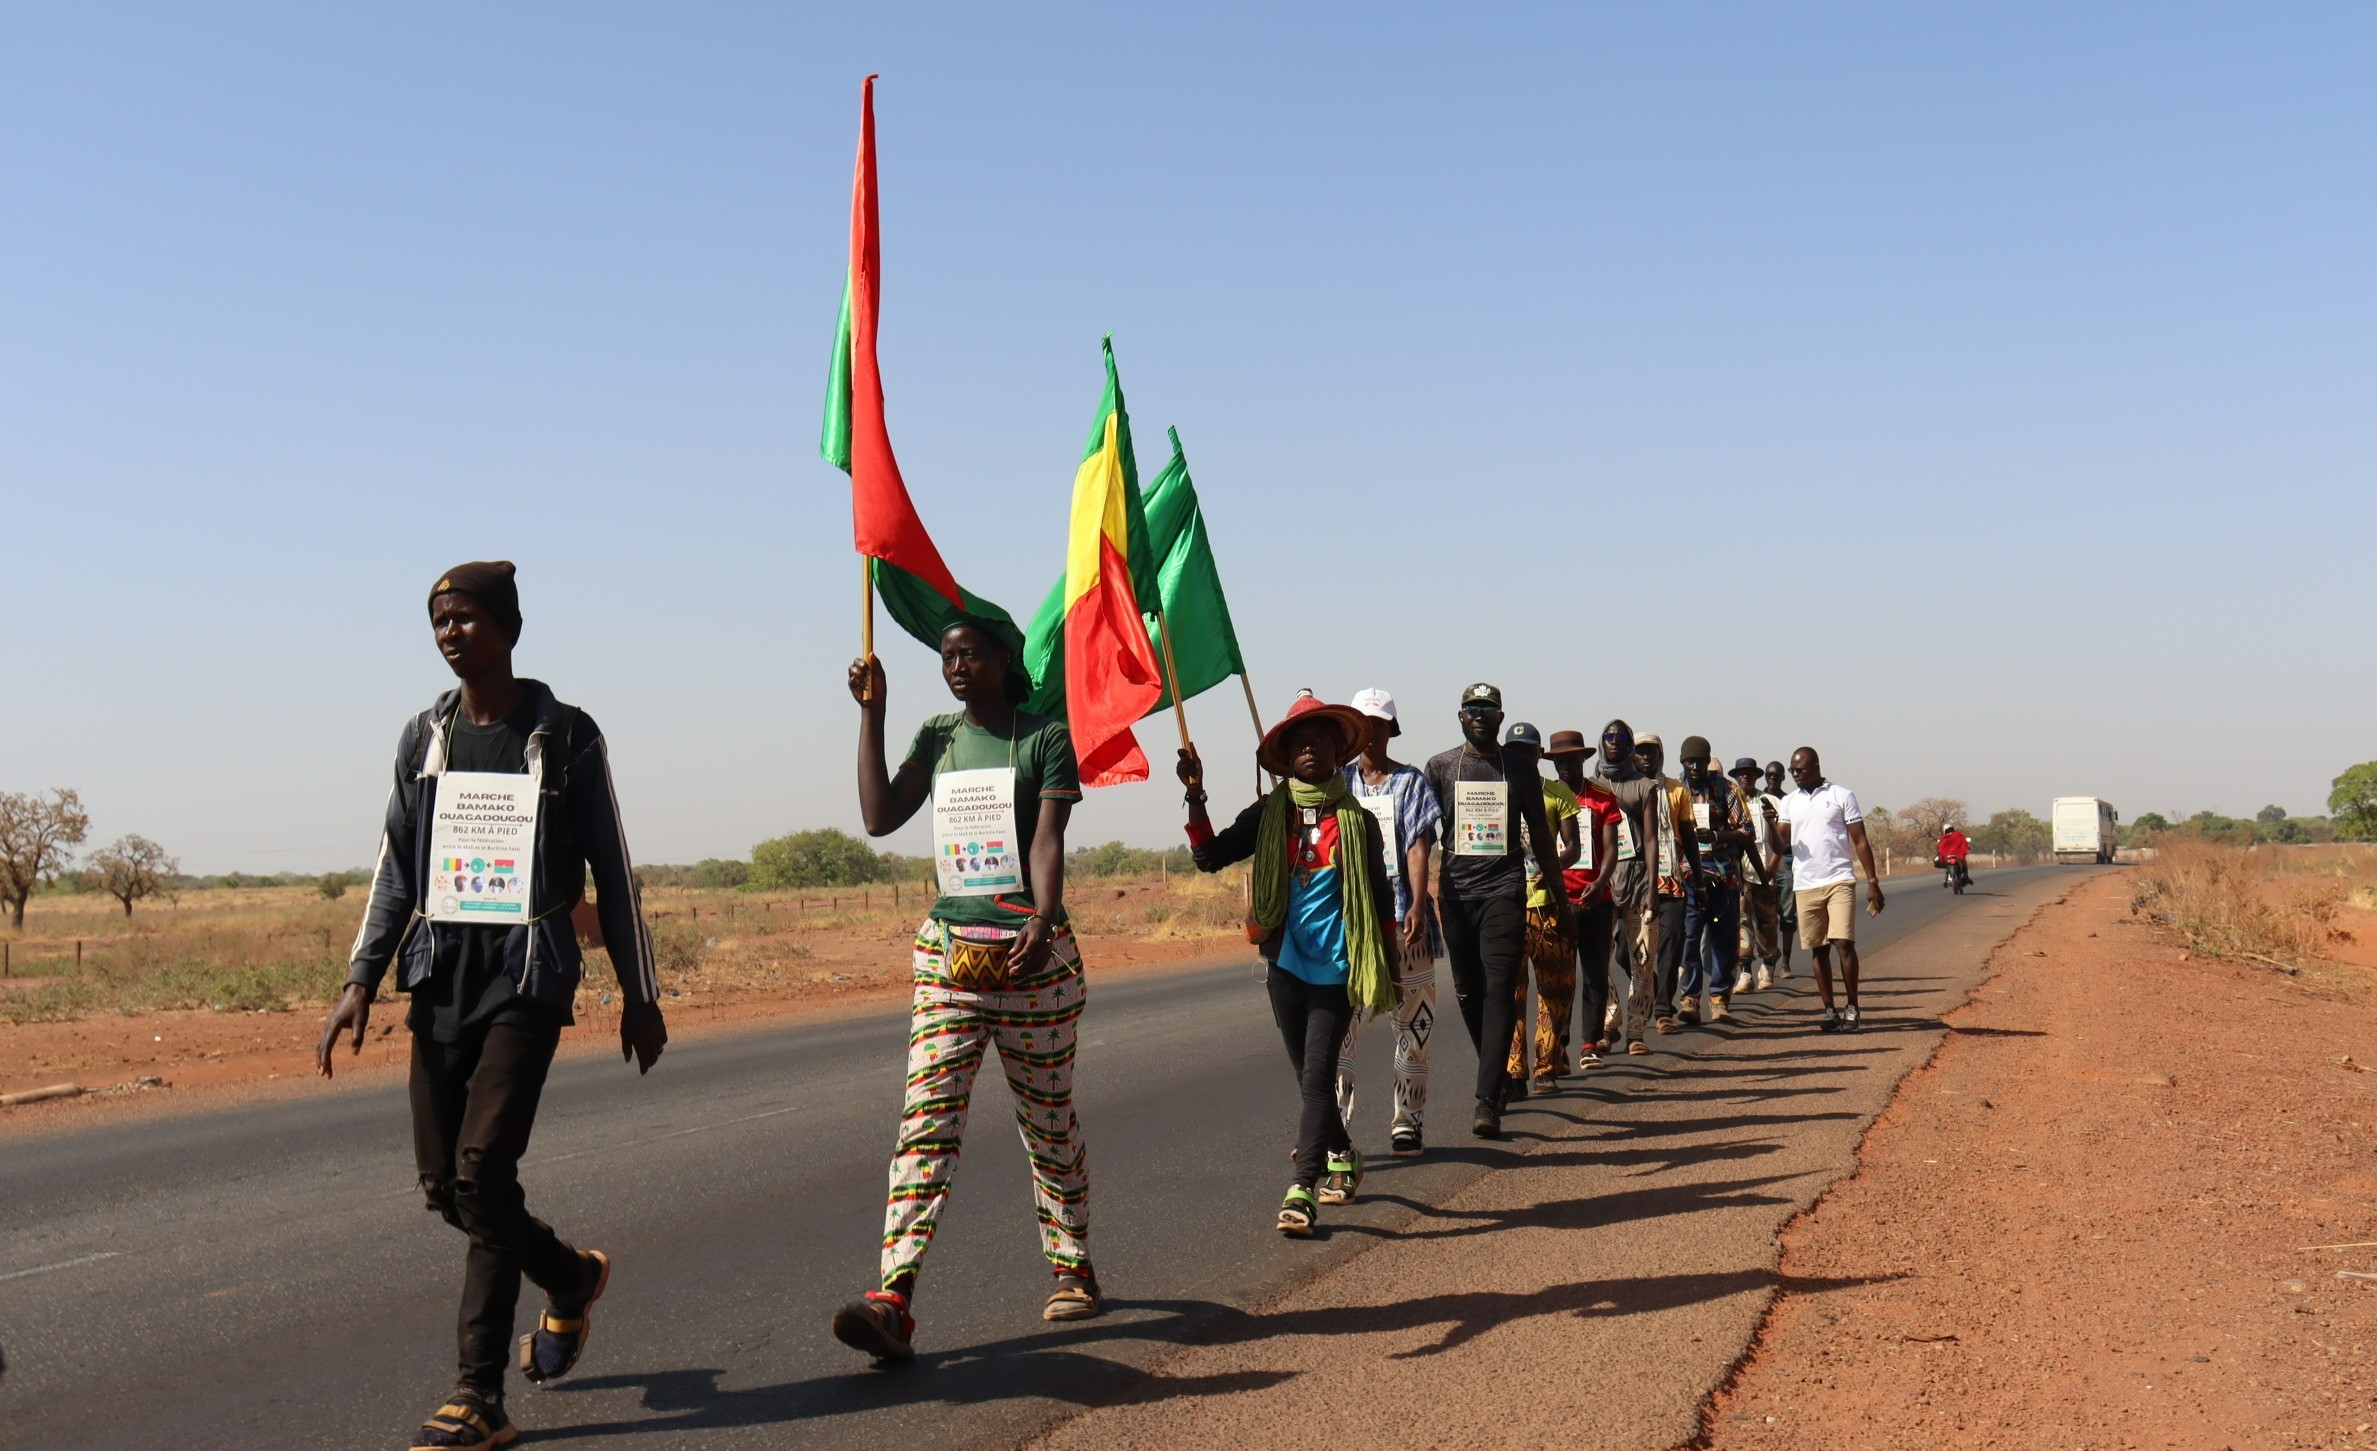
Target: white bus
[(2086, 829)]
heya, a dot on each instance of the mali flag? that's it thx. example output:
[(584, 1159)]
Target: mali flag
[(1111, 677), (917, 587), (1188, 583)]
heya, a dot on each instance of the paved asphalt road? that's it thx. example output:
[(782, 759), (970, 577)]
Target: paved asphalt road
[(266, 1276)]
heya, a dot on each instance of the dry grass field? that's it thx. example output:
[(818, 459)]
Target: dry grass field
[(281, 949), (2283, 906)]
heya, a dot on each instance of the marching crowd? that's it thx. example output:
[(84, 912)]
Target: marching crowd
[(1637, 902)]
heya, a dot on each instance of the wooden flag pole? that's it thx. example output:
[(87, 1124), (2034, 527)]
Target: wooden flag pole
[(866, 623), (1172, 679), (1257, 715)]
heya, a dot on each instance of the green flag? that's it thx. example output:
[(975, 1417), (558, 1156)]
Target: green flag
[(1204, 642)]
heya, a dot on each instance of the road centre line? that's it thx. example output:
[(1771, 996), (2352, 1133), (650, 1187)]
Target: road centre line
[(61, 1265)]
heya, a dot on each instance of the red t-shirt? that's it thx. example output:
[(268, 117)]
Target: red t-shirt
[(1599, 805), (1953, 846)]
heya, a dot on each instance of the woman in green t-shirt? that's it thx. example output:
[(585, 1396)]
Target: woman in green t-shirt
[(995, 964)]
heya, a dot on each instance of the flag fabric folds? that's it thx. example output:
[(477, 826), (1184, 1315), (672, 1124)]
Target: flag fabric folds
[(916, 587), (1188, 583), (1111, 677)]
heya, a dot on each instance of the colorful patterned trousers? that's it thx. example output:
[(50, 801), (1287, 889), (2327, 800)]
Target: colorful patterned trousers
[(1554, 961), (1034, 1024), (1415, 1022)]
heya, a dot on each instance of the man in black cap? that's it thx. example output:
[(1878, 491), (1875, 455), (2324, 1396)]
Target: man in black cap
[(1483, 896), (501, 803)]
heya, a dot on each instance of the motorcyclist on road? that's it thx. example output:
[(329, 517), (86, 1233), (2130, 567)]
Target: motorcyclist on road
[(1955, 851)]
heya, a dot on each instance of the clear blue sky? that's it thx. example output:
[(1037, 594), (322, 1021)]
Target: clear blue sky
[(1685, 363)]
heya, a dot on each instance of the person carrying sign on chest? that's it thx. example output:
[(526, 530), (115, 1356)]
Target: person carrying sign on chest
[(502, 803), (1407, 814), (1322, 899), (994, 965), (1482, 896)]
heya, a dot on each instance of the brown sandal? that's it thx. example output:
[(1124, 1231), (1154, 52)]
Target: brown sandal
[(551, 1351), (1074, 1298), (466, 1424)]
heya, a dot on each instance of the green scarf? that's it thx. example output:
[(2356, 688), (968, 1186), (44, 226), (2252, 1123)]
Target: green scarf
[(1368, 983)]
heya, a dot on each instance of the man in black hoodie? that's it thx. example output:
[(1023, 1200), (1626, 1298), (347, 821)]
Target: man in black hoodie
[(501, 803)]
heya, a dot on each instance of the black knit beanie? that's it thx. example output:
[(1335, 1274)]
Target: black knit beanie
[(490, 582)]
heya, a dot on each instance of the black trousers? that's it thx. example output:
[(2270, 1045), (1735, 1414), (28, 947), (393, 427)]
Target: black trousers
[(1312, 1023), (1595, 927), (1671, 951), (474, 1103), (1485, 941)]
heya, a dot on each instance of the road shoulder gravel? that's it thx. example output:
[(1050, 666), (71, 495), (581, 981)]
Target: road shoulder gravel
[(1601, 1287)]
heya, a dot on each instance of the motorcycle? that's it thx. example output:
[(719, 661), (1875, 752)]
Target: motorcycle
[(1958, 875)]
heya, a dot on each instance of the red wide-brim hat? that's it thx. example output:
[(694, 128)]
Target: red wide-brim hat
[(1352, 726)]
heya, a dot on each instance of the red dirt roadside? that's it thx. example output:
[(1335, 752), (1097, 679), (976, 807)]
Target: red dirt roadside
[(2087, 1222)]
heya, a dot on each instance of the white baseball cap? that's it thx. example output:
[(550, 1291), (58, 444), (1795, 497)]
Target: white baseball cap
[(1380, 706)]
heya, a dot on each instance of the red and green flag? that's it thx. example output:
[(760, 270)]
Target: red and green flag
[(1111, 677), (1188, 583), (916, 586)]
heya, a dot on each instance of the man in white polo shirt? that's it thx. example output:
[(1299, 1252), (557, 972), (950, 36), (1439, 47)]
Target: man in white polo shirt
[(1820, 827)]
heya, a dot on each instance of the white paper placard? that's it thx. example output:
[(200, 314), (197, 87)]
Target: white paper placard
[(1382, 809), (482, 844), (1481, 818), (1626, 847), (974, 847)]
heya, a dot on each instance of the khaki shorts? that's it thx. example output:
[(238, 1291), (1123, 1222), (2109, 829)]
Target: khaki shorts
[(1828, 914)]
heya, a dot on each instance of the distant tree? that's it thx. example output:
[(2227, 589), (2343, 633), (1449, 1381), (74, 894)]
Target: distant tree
[(821, 858), (37, 838), (130, 868), (2352, 804), (2270, 815), (1929, 816), (2142, 831), (2015, 833), (715, 872), (333, 885)]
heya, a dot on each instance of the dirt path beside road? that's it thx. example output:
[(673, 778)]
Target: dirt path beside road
[(2085, 1223)]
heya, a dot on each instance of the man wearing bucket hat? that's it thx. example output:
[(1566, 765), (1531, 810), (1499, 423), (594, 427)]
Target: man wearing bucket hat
[(1398, 796), (1483, 887), (1761, 929), (1326, 910), (1588, 888)]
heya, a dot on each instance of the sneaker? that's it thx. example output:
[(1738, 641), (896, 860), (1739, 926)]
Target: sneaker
[(878, 1323), (1638, 1046), (1783, 973), (1719, 1009), (1514, 1090), (1405, 1144), (1298, 1212), (1689, 1009), (1765, 978), (1342, 1178), (1075, 1297), (1588, 1056), (1487, 1124), (1851, 1019), (1741, 982), (1829, 1023)]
